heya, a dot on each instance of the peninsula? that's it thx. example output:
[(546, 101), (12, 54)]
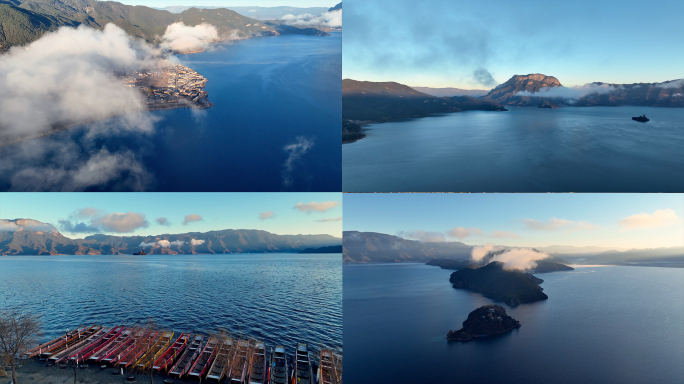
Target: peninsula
[(485, 321)]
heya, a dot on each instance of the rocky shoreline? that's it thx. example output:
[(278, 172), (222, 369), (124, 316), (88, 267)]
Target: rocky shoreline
[(488, 320)]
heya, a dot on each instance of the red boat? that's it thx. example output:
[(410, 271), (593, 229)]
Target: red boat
[(85, 353), (139, 348), (114, 345), (205, 359), (127, 347), (165, 361)]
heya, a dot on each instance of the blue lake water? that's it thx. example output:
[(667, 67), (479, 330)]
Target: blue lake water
[(569, 149), (267, 92), (599, 325), (278, 298)]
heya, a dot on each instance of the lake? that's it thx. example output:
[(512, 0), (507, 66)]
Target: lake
[(278, 298), (267, 92), (569, 149), (599, 325)]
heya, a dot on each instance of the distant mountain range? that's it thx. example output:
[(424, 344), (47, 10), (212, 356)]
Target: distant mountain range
[(372, 247), (449, 92), (259, 13), (31, 237), (520, 90), (386, 101), (23, 21)]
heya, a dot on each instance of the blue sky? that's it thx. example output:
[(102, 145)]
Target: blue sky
[(604, 220), (228, 3), (217, 210), (440, 43)]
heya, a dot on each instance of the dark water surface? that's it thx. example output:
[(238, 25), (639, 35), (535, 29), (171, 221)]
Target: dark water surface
[(278, 298), (599, 325), (570, 149)]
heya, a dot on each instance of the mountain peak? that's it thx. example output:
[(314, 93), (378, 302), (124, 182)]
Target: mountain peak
[(507, 93)]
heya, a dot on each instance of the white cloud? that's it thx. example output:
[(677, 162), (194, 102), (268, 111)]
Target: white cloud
[(461, 232), (556, 224), (294, 152), (266, 215), (192, 218), (197, 242), (423, 236), (183, 38), (330, 19), (479, 252), (315, 206), (329, 220), (658, 219), (520, 258), (569, 92), (99, 221)]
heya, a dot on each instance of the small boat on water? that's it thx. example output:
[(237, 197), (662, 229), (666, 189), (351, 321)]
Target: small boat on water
[(166, 359), (141, 346), (37, 351), (222, 361), (84, 353), (257, 365), (113, 347), (157, 349), (641, 118), (278, 370), (206, 357), (327, 368), (303, 374), (240, 363), (188, 357), (84, 339)]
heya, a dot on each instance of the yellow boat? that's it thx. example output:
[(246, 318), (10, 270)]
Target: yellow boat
[(155, 351)]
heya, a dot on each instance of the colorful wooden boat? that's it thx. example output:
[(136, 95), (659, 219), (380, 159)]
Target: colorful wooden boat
[(327, 369), (257, 365), (139, 349), (188, 357), (127, 346), (37, 351), (222, 361), (166, 359), (83, 339), (115, 343), (70, 341), (84, 353), (278, 372), (240, 363), (303, 374), (205, 359), (157, 348)]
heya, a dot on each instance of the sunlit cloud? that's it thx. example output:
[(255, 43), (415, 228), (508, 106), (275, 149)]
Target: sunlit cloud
[(329, 220), (658, 219), (266, 215), (461, 232), (314, 206), (97, 221), (192, 218), (556, 224)]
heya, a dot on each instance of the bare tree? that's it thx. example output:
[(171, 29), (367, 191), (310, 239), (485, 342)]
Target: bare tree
[(18, 332)]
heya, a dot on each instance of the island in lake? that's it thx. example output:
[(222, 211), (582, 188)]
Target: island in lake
[(485, 321), (493, 281)]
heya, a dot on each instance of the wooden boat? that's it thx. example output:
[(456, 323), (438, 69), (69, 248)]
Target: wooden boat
[(166, 359), (303, 373), (157, 349), (222, 361), (37, 351), (327, 369), (70, 340), (113, 345), (127, 346), (141, 346), (84, 339), (257, 365), (206, 357), (278, 372), (189, 356), (240, 363), (84, 353)]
